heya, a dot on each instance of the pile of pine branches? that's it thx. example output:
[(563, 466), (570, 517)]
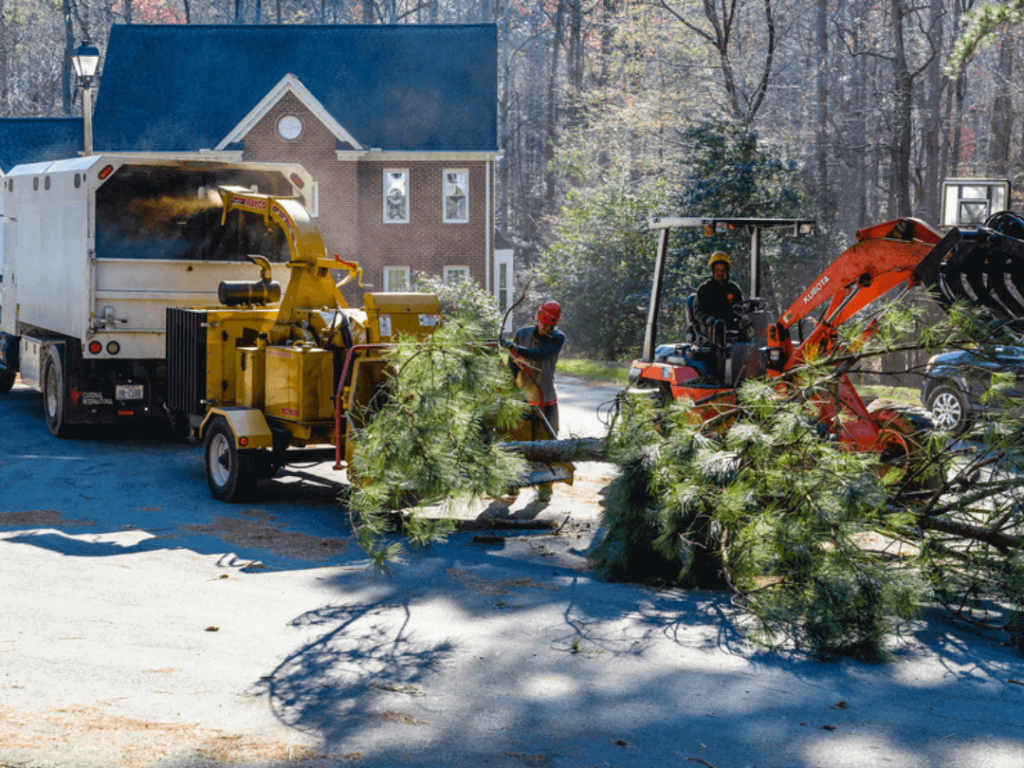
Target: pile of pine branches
[(825, 547)]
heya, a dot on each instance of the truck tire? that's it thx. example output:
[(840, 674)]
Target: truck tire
[(54, 401), (7, 381), (230, 473)]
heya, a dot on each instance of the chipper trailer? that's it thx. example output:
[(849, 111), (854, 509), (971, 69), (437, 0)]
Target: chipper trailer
[(265, 386)]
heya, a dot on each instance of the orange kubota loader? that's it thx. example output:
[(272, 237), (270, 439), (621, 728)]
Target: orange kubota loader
[(707, 368)]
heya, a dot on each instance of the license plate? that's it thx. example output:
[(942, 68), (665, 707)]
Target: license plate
[(129, 392)]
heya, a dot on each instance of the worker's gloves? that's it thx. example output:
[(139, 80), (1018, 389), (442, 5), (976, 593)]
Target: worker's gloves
[(506, 343)]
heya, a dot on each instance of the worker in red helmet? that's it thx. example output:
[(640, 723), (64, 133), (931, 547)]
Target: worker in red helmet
[(535, 351), (536, 348)]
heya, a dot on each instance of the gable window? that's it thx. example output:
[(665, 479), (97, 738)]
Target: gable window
[(455, 275), (456, 196), (396, 279), (396, 196), (289, 127)]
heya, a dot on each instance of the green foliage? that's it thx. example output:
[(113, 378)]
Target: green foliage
[(729, 172), (982, 23), (826, 547), (474, 308), (433, 437), (600, 265)]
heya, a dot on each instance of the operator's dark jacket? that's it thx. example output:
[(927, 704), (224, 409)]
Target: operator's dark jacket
[(715, 300), (540, 354)]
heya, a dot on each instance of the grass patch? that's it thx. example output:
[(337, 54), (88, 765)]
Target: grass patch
[(599, 370), (900, 394)]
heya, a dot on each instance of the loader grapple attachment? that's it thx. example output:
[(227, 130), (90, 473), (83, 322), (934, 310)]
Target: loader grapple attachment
[(986, 268)]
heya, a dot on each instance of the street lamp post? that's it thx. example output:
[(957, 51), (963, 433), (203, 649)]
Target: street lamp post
[(86, 58)]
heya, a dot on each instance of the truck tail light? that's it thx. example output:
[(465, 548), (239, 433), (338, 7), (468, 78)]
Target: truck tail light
[(113, 347), (106, 172), (95, 347)]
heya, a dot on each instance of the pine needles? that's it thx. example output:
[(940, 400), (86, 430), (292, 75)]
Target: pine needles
[(825, 547), (435, 439)]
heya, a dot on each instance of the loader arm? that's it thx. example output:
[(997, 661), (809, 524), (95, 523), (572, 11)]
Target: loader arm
[(902, 252)]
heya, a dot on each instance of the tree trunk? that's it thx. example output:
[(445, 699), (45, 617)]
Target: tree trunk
[(821, 127), (902, 119), (1002, 111), (575, 449), (552, 103), (69, 44), (575, 60), (931, 128)]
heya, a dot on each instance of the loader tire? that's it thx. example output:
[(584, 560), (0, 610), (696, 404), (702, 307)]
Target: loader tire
[(230, 473), (54, 398), (7, 381)]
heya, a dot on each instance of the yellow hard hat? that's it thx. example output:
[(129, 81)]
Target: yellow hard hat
[(720, 256)]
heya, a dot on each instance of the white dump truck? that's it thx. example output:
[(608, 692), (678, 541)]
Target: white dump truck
[(97, 248)]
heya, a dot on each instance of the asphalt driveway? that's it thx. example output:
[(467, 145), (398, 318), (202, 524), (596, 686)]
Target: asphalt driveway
[(144, 624)]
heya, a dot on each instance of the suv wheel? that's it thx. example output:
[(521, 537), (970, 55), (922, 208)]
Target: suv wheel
[(949, 409)]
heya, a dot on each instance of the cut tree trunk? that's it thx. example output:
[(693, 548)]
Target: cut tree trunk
[(575, 449)]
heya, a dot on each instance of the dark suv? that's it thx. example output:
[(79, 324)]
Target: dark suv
[(955, 381)]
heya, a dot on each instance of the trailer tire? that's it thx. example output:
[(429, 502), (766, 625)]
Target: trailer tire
[(230, 473), (54, 400), (7, 381)]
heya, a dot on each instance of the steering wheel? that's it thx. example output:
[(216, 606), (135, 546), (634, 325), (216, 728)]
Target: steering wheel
[(750, 305)]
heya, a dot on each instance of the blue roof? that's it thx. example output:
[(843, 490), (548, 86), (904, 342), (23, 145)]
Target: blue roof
[(184, 87), (39, 139)]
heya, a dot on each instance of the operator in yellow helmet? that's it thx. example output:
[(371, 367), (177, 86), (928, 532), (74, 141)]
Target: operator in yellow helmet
[(716, 297)]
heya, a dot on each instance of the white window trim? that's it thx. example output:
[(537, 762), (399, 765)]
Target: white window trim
[(384, 196), (451, 268), (387, 286), (444, 195), (505, 257)]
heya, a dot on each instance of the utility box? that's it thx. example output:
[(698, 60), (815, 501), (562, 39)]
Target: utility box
[(389, 315), (252, 377), (298, 384)]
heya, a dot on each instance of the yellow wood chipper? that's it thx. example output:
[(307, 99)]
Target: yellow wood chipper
[(265, 385)]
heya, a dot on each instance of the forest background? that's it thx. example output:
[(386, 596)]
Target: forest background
[(611, 111)]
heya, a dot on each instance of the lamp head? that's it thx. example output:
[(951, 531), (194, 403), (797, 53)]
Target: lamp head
[(86, 60)]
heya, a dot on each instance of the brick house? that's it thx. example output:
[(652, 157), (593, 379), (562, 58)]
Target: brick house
[(397, 124)]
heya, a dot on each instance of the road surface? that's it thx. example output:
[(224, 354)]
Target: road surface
[(144, 624)]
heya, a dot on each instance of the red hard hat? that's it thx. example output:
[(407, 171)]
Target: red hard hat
[(550, 313)]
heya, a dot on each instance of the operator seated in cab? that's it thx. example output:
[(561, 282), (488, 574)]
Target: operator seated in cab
[(716, 297)]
